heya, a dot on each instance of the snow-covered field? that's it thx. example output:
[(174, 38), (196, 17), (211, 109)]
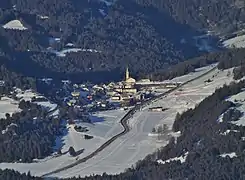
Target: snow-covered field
[(8, 105), (136, 144), (25, 95), (237, 42), (180, 79), (14, 24), (29, 94), (101, 131), (240, 98), (192, 75)]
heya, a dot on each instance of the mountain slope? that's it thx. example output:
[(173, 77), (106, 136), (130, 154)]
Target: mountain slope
[(218, 16), (125, 33)]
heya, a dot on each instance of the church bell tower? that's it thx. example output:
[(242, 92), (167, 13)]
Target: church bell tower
[(127, 74)]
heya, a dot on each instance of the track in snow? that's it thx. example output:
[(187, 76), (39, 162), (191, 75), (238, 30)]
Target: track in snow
[(124, 123)]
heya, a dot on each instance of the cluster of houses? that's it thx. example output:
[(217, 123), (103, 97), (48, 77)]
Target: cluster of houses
[(108, 96)]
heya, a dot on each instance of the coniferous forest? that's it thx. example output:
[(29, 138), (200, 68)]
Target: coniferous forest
[(202, 138), (156, 39)]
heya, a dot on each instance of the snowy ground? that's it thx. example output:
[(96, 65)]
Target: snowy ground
[(182, 159), (63, 53), (8, 105), (14, 24), (136, 144), (237, 99), (180, 79), (25, 95), (237, 42), (101, 131), (29, 94), (192, 75)]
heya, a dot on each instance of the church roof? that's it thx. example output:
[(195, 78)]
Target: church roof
[(131, 80)]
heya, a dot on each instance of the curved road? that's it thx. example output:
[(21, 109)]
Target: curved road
[(124, 123)]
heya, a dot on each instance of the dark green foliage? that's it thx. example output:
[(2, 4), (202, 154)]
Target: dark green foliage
[(225, 59), (14, 175), (12, 79), (218, 16), (127, 35), (239, 72), (72, 151), (232, 115), (28, 135)]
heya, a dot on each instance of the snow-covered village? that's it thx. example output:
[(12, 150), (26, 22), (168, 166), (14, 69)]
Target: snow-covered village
[(122, 90), (95, 117)]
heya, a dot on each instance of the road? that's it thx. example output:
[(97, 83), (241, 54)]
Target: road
[(124, 123)]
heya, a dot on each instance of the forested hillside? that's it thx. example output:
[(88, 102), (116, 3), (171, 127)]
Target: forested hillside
[(221, 16), (29, 134), (10, 79), (124, 33), (203, 143), (93, 40)]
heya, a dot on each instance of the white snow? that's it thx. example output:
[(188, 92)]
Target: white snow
[(25, 95), (43, 17), (228, 131), (8, 105), (101, 132), (102, 12), (14, 24), (108, 3), (192, 75), (220, 119), (7, 128), (29, 94), (236, 42), (181, 79), (182, 159), (240, 98), (48, 104), (135, 145), (231, 155), (63, 52)]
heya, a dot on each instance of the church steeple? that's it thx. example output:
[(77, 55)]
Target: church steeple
[(127, 74)]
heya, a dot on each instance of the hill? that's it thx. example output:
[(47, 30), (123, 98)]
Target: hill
[(110, 35)]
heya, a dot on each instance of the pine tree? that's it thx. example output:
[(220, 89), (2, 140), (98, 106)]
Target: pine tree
[(72, 151)]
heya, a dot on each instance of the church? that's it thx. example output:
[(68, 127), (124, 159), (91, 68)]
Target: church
[(128, 85)]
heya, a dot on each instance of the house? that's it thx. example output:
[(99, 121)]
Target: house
[(116, 97), (75, 94)]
